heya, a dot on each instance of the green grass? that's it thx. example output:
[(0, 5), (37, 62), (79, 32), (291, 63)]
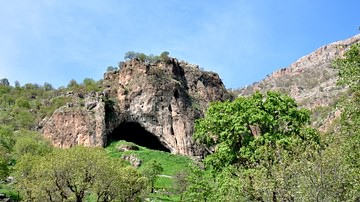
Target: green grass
[(8, 192), (171, 164)]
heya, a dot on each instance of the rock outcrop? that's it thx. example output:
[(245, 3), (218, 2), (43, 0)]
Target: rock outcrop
[(311, 80), (164, 98)]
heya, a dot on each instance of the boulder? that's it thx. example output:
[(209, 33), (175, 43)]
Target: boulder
[(122, 148), (132, 159)]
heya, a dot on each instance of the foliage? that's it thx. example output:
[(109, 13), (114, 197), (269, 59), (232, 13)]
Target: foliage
[(130, 55), (24, 107), (264, 151), (349, 75), (180, 181), (151, 170), (321, 175), (164, 56), (88, 85), (111, 68), (200, 185), (166, 184), (244, 130), (349, 69), (6, 144), (4, 82), (30, 142), (71, 174), (73, 84)]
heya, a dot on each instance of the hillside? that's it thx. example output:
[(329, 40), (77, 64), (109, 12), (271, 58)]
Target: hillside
[(311, 81), (260, 147)]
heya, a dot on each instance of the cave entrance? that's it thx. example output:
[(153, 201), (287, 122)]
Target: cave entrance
[(134, 132)]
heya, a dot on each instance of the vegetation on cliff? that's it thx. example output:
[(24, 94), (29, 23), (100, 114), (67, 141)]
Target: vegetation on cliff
[(259, 148), (258, 156)]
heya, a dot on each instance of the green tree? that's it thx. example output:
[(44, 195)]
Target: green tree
[(48, 87), (4, 82), (180, 182), (164, 56), (349, 75), (243, 130), (30, 142), (130, 55), (22, 103), (151, 170), (111, 68), (90, 85), (73, 84), (17, 84), (349, 69), (142, 57), (6, 145), (23, 119), (253, 143), (200, 185), (4, 164), (72, 174), (320, 174)]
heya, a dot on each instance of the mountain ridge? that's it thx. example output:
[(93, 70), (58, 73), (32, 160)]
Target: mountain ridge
[(310, 80)]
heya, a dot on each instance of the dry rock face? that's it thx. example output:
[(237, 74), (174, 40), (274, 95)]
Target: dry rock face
[(311, 80), (163, 98), (69, 125)]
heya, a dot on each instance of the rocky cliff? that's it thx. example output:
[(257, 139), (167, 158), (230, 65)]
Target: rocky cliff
[(163, 99), (311, 80)]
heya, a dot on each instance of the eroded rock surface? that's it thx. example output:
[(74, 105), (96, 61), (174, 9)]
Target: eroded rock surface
[(311, 81), (164, 98)]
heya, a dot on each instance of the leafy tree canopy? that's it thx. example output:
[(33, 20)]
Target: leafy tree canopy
[(73, 174), (4, 82), (151, 170), (349, 68), (130, 55), (349, 75), (240, 132)]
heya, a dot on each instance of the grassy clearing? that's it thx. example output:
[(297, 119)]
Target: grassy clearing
[(171, 164)]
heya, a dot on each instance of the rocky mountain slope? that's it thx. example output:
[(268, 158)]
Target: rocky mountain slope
[(311, 80), (157, 103), (161, 101)]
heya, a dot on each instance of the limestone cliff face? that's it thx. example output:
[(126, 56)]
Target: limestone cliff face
[(164, 98), (311, 80), (77, 123)]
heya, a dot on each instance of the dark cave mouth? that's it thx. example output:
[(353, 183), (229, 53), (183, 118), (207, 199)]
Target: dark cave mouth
[(135, 133)]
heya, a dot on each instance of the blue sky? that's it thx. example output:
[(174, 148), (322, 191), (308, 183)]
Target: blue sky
[(58, 40)]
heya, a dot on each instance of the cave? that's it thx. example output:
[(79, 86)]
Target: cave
[(134, 132)]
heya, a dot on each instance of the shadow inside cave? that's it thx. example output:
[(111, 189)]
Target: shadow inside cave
[(134, 132)]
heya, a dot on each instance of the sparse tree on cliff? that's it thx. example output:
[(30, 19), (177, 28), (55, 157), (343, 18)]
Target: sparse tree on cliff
[(164, 56), (130, 55)]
